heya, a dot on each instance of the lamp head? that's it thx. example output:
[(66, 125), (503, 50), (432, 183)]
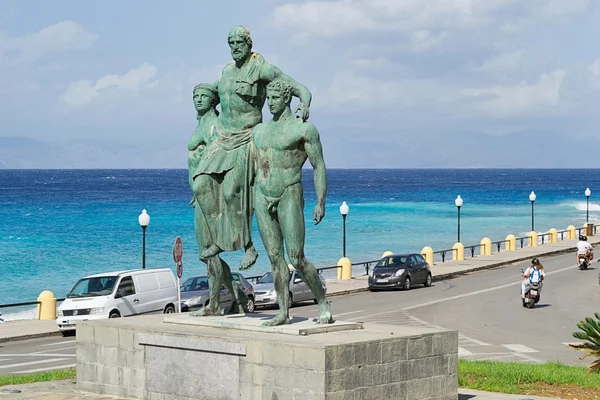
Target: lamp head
[(344, 209), (144, 219)]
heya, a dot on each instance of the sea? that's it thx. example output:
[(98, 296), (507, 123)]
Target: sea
[(57, 226)]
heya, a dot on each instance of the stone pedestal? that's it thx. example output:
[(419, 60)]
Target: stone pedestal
[(182, 357)]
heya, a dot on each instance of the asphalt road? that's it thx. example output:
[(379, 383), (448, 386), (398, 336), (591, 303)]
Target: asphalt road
[(35, 355), (485, 307)]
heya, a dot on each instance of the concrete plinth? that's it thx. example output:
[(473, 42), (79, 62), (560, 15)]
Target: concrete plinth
[(146, 357)]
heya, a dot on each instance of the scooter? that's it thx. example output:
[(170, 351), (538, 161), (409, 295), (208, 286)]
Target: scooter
[(584, 260), (532, 295)]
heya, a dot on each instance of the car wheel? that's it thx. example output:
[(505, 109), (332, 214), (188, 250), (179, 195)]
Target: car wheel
[(406, 285), (170, 309), (114, 314), (250, 306), (428, 280)]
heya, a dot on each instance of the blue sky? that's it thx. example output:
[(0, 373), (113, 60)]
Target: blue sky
[(395, 83)]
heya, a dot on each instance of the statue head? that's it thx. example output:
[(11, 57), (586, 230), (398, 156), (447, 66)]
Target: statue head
[(205, 97), (279, 96), (240, 43)]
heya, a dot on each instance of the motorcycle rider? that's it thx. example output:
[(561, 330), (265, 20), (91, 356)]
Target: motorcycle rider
[(534, 275), (584, 247)]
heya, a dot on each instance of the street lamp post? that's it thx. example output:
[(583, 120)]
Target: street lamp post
[(344, 209), (144, 220), (532, 197), (459, 203), (588, 193)]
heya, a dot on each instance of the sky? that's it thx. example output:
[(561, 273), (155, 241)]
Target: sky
[(395, 83)]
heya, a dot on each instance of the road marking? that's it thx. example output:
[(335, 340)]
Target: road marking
[(348, 313), (58, 343), (37, 355), (519, 348), (460, 296), (32, 363), (5, 359), (62, 348), (468, 339), (462, 352), (29, 371)]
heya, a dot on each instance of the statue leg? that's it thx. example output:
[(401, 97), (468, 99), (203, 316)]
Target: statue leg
[(204, 188), (239, 298), (214, 267), (291, 217), (270, 233)]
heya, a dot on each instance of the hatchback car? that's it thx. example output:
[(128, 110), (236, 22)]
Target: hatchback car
[(400, 271), (195, 293), (299, 291)]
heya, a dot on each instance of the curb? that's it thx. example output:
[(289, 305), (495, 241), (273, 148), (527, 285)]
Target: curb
[(30, 336)]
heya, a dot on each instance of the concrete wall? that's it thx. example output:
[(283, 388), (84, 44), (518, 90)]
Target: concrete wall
[(152, 363)]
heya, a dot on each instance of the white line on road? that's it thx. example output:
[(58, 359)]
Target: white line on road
[(348, 313), (462, 352), (468, 339), (460, 296), (520, 348), (32, 363), (37, 355), (62, 348), (30, 371), (58, 343)]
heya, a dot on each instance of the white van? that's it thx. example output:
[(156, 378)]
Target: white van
[(118, 294)]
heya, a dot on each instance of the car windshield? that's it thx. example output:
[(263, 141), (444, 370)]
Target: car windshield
[(393, 261), (268, 278), (196, 283), (91, 287)]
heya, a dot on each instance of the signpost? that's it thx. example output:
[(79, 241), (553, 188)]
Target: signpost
[(177, 254)]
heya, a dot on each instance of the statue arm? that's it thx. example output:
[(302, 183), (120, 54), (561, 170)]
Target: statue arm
[(314, 151), (270, 72)]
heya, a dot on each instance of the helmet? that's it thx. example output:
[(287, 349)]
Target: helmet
[(585, 238), (581, 237), (535, 261)]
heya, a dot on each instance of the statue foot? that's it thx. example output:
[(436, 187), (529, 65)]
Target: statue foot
[(279, 319), (210, 252), (234, 308), (250, 257), (206, 311), (325, 316)]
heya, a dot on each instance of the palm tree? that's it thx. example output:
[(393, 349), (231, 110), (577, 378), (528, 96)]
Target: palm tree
[(590, 333)]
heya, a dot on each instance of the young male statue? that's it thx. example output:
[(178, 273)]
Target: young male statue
[(282, 146)]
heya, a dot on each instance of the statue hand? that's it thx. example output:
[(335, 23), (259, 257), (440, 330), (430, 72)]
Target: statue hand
[(303, 108), (319, 213)]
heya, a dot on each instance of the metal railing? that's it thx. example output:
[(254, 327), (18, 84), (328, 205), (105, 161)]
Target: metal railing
[(27, 303)]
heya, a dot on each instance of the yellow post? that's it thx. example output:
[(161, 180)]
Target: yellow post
[(458, 251), (486, 247), (427, 252), (346, 265), (387, 253), (532, 239), (511, 242), (571, 232), (588, 228), (553, 235), (47, 306)]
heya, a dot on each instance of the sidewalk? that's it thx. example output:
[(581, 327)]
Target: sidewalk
[(65, 390), (29, 329)]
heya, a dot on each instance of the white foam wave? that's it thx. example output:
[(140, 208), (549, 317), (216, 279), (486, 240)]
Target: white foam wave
[(20, 315), (582, 206)]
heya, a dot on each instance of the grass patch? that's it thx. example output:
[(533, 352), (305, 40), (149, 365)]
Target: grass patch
[(45, 376), (551, 379)]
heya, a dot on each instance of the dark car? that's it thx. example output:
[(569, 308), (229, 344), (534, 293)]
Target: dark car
[(195, 293), (400, 271)]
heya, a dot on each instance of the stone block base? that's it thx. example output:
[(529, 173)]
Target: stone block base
[(144, 357)]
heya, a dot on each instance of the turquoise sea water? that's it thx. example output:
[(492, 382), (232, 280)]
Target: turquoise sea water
[(59, 225)]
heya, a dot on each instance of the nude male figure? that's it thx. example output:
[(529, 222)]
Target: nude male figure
[(282, 146)]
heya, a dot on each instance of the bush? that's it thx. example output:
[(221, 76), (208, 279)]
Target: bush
[(590, 334)]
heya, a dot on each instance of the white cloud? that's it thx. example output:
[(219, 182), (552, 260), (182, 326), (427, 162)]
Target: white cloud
[(504, 62), (83, 92), (539, 98), (63, 36), (594, 68)]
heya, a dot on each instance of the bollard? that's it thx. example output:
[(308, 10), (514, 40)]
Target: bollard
[(47, 306), (532, 239), (458, 253), (588, 228), (387, 253), (486, 247), (346, 270), (571, 233), (511, 242), (427, 252), (553, 235)]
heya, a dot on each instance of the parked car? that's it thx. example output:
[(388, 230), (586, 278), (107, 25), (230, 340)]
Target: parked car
[(195, 293), (264, 289), (400, 271), (118, 294)]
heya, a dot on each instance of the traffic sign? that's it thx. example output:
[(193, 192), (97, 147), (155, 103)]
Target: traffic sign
[(177, 250), (179, 269)]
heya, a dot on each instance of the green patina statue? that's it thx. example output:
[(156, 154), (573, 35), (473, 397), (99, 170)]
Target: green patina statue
[(282, 147), (222, 177)]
